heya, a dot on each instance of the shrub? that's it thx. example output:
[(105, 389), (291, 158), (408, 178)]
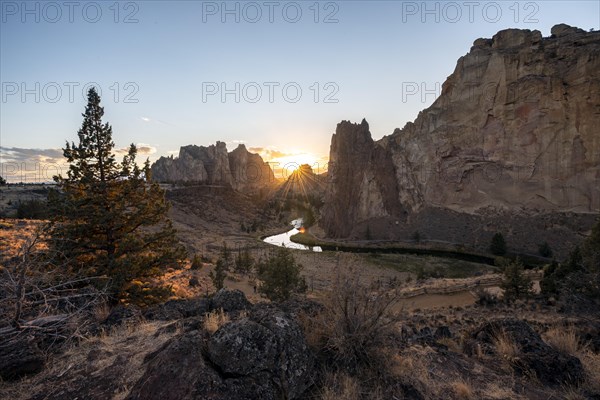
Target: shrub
[(196, 262), (516, 284), (280, 276), (498, 245), (355, 322), (243, 261), (32, 209), (218, 275), (485, 297), (545, 250)]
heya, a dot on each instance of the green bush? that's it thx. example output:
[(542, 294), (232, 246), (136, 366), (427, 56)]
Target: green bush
[(498, 245), (280, 276)]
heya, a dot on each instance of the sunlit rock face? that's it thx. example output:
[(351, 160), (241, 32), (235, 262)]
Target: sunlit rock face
[(239, 169), (248, 170), (516, 127)]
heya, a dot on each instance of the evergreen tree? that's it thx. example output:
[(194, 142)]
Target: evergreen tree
[(280, 276), (2, 181), (226, 258), (243, 261), (196, 262), (545, 250), (498, 245), (218, 274), (548, 284), (109, 219), (516, 284), (416, 237)]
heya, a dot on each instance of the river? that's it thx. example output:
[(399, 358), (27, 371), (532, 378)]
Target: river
[(283, 239)]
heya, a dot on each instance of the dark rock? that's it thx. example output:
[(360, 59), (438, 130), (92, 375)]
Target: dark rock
[(178, 309), (123, 314), (442, 332), (260, 357), (19, 357), (229, 301), (243, 347), (534, 356), (193, 282), (179, 372)]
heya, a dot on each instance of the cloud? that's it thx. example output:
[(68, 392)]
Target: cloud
[(19, 155), (268, 154), (40, 165), (156, 121), (143, 149), (31, 165)]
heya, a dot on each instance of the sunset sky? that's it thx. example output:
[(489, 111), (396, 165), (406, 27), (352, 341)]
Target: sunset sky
[(291, 70)]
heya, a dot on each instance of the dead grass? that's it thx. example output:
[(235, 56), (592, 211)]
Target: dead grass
[(462, 390), (99, 353), (591, 366), (214, 320), (411, 367), (505, 346), (340, 386), (500, 391), (563, 339)]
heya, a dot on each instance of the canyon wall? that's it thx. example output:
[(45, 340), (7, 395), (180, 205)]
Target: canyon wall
[(213, 165), (514, 131)]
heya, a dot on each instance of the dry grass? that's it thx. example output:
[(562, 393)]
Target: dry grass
[(591, 366), (563, 339), (411, 367), (214, 320), (505, 346), (462, 390), (500, 391), (339, 386), (130, 341)]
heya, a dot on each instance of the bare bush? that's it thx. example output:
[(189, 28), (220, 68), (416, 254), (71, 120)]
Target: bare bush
[(41, 299), (355, 321)]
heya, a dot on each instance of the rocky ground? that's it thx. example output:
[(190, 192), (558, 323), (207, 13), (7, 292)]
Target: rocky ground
[(437, 344), (225, 347)]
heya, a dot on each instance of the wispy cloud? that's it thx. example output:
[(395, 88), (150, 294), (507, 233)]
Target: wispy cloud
[(156, 121)]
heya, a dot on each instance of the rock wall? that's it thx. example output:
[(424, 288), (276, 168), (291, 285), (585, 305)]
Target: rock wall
[(515, 128), (239, 169)]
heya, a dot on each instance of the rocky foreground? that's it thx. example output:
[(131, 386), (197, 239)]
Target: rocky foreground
[(224, 347)]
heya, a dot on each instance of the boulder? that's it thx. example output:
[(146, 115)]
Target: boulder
[(19, 356), (178, 309), (263, 356), (122, 314), (229, 300)]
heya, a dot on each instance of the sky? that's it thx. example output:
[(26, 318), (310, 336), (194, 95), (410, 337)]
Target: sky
[(275, 75)]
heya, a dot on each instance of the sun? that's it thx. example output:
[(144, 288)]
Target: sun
[(290, 163)]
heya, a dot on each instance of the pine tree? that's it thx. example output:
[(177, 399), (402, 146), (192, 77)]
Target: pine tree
[(498, 245), (218, 274), (2, 181), (516, 284), (243, 261), (280, 276), (109, 219), (545, 250)]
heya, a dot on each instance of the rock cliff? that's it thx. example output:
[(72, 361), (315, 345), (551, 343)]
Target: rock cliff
[(239, 169), (515, 129)]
